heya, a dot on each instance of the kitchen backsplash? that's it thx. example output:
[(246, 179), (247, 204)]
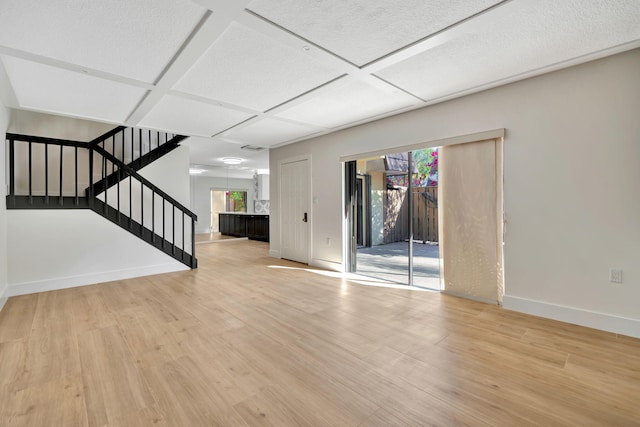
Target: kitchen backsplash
[(261, 206)]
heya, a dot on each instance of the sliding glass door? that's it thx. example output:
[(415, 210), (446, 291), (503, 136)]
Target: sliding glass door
[(392, 219), (424, 244), (454, 244)]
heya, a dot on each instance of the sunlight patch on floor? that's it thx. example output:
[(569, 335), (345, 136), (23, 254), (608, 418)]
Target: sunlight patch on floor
[(355, 278)]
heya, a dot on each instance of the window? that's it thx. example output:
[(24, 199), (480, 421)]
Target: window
[(236, 201)]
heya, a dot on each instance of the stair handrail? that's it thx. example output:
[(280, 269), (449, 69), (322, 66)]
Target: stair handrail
[(106, 135), (138, 138), (107, 155), (132, 172), (46, 140), (181, 253)]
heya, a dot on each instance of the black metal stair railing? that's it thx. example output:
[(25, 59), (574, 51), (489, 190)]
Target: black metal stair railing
[(33, 183), (47, 173), (135, 147), (136, 204)]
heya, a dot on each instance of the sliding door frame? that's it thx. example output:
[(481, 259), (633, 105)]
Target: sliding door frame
[(350, 171)]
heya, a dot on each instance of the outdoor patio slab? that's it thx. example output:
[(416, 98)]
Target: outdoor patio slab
[(390, 262)]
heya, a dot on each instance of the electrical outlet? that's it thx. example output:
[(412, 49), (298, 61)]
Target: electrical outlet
[(615, 275)]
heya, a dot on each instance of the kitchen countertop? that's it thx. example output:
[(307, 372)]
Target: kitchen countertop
[(242, 213)]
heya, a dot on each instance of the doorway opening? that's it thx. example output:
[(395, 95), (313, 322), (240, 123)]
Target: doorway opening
[(395, 211), (436, 218), (226, 201)]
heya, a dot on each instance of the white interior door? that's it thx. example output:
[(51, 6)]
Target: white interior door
[(296, 216)]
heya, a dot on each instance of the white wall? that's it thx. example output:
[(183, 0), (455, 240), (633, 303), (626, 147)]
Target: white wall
[(571, 168), (373, 167), (51, 126), (201, 187), (38, 183), (4, 123), (170, 173), (378, 187), (56, 249)]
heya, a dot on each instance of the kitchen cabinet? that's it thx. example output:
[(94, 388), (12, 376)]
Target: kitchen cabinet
[(253, 226)]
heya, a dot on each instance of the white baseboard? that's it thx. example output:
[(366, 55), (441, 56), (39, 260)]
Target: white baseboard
[(590, 319), (471, 297), (274, 253), (327, 265), (4, 296), (90, 279)]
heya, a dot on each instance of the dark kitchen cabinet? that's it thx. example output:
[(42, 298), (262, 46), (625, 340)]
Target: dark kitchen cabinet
[(253, 226)]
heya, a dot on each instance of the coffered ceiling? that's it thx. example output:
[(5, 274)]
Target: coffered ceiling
[(272, 72)]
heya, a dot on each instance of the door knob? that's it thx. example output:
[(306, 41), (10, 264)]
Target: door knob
[(304, 218)]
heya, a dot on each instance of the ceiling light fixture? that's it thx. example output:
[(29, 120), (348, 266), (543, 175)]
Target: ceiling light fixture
[(194, 171), (231, 160)]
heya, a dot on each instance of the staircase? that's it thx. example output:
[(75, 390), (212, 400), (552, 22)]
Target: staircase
[(102, 175), (135, 147)]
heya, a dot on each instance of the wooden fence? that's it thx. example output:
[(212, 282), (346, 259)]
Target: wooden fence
[(425, 215)]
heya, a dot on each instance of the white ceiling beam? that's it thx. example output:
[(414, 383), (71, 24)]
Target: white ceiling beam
[(592, 56), (229, 8), (351, 124), (224, 136), (288, 38), (216, 23), (318, 54), (203, 36), (27, 56), (213, 102), (429, 42), (7, 94), (288, 104)]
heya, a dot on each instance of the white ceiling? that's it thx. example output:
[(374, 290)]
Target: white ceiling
[(272, 72)]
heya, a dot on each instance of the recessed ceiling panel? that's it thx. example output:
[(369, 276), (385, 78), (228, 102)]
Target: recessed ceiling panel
[(191, 117), (136, 39), (348, 103), (515, 38), (208, 151), (268, 132), (246, 68), (44, 88), (364, 30)]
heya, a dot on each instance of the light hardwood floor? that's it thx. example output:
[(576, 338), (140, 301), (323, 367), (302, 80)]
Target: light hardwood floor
[(212, 237), (251, 340)]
